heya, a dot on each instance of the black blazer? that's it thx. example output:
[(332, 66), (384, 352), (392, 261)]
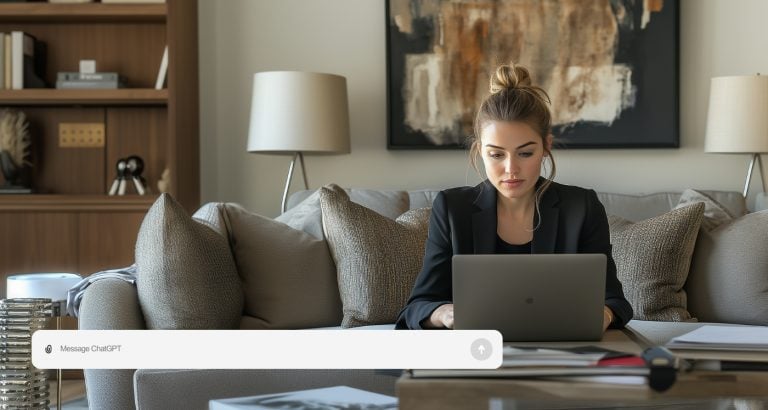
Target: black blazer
[(464, 221)]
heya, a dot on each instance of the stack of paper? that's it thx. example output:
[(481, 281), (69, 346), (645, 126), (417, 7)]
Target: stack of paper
[(729, 338), (526, 357)]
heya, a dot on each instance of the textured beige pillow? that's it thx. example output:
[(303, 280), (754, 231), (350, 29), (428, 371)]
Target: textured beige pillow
[(288, 275), (652, 261), (186, 276), (377, 259)]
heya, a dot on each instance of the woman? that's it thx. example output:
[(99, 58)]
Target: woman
[(514, 210)]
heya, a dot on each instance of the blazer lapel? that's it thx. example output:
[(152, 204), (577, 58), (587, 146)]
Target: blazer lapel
[(545, 236), (484, 220)]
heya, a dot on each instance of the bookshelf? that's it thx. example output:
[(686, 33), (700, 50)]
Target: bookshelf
[(70, 224)]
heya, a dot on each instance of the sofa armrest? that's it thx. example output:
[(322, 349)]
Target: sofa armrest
[(110, 304), (192, 389)]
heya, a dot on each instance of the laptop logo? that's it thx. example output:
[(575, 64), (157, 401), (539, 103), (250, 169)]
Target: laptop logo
[(529, 300)]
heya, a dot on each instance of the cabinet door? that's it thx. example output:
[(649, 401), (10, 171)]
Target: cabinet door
[(107, 240), (37, 242)]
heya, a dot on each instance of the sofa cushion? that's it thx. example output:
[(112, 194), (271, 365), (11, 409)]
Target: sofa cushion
[(288, 275), (729, 272), (652, 260), (186, 276), (377, 259)]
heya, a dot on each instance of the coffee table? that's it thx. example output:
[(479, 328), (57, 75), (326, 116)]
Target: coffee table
[(465, 393)]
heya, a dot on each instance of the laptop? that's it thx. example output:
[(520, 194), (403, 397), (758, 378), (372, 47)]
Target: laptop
[(539, 297)]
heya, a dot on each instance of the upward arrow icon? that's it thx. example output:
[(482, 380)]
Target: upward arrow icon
[(481, 349)]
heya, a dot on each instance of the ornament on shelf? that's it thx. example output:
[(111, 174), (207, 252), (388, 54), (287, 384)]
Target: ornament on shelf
[(129, 168), (15, 143)]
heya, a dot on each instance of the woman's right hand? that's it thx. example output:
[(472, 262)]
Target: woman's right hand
[(442, 317)]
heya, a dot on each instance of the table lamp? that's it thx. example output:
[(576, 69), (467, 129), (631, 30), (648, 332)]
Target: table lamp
[(295, 112), (737, 122), (31, 300)]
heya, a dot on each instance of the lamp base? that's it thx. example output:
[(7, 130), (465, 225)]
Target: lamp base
[(300, 156), (755, 159)]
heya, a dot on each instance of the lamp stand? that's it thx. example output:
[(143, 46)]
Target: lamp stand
[(300, 156), (755, 158)]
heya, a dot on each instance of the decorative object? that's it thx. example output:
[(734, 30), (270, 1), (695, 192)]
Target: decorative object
[(15, 142), (298, 112), (377, 258), (31, 300), (652, 261), (129, 168), (737, 122), (610, 68)]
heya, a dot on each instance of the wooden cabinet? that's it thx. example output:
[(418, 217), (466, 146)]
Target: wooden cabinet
[(70, 223)]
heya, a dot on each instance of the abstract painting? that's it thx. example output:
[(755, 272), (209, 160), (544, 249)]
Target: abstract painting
[(610, 68)]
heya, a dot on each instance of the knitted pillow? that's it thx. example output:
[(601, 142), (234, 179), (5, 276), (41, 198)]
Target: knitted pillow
[(186, 276), (652, 261), (377, 258)]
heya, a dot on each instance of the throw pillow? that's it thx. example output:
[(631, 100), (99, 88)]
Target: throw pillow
[(714, 213), (307, 216), (652, 261), (288, 275), (729, 272), (186, 276), (377, 259)]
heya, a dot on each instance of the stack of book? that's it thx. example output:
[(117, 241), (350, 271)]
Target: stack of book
[(89, 80), (23, 61)]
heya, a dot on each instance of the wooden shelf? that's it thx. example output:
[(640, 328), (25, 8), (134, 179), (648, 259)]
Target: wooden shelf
[(52, 96), (86, 12), (75, 203)]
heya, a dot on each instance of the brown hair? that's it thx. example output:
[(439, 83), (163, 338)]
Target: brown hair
[(514, 98)]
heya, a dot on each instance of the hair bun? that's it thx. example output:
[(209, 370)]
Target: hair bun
[(510, 76)]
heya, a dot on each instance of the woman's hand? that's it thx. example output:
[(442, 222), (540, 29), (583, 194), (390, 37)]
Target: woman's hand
[(607, 317), (442, 317)]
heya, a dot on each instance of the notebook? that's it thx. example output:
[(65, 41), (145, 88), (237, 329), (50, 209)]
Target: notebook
[(539, 297)]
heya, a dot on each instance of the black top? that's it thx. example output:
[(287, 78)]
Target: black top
[(464, 221), (505, 247)]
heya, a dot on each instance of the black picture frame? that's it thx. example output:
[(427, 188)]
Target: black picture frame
[(650, 49)]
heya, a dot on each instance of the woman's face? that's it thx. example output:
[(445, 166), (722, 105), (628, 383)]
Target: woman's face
[(512, 154)]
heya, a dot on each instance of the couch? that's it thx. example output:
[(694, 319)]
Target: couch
[(114, 304)]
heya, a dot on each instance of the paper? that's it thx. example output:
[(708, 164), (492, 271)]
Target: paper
[(525, 356), (341, 397), (754, 338)]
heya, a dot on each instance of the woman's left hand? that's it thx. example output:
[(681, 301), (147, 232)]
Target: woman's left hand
[(607, 317)]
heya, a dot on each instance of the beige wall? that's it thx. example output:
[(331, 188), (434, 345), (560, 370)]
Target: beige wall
[(346, 37)]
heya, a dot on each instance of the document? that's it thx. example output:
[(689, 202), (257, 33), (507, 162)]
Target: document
[(738, 338)]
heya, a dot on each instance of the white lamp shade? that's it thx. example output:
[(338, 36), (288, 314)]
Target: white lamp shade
[(52, 286), (295, 111), (738, 115)]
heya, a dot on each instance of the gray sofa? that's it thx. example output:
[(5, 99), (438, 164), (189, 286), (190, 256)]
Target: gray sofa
[(113, 304)]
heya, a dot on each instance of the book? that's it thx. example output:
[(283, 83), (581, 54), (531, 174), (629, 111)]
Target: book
[(105, 84), (2, 63), (7, 60), (338, 397), (77, 76), (161, 74), (24, 69)]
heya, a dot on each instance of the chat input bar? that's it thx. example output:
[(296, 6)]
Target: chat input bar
[(266, 349)]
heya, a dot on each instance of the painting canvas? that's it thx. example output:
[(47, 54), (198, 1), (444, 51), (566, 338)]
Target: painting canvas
[(610, 68)]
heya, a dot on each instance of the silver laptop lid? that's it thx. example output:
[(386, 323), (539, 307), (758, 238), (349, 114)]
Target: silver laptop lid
[(539, 297)]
